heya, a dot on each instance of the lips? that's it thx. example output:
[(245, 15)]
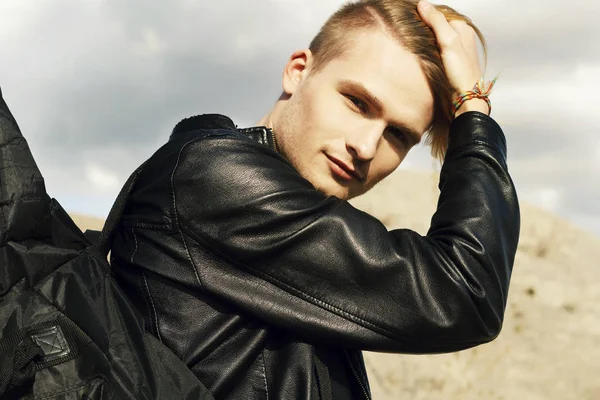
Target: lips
[(344, 170)]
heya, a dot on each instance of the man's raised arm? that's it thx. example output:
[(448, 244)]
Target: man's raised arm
[(327, 272)]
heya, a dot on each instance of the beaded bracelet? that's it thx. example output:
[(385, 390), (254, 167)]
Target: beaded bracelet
[(481, 90)]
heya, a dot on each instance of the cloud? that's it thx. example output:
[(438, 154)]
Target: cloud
[(572, 94), (548, 198), (97, 85), (526, 35), (100, 178), (150, 44)]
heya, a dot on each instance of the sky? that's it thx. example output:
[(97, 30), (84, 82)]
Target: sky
[(97, 85)]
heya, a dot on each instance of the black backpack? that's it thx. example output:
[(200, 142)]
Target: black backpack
[(66, 329)]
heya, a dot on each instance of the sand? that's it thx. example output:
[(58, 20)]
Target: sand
[(549, 347)]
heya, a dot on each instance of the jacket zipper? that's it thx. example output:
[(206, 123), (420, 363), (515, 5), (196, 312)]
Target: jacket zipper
[(355, 372), (276, 148)]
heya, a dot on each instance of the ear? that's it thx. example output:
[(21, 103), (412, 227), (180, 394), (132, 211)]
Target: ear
[(296, 69)]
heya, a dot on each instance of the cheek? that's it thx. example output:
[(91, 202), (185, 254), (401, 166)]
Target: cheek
[(388, 160), (324, 110)]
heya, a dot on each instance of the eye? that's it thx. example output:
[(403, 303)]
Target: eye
[(400, 135), (358, 103)]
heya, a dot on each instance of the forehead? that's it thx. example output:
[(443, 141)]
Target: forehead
[(390, 72)]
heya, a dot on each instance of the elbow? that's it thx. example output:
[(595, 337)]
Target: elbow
[(476, 333), (488, 300), (490, 324), (481, 320), (492, 332)]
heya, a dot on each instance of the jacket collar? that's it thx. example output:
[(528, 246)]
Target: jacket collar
[(261, 134)]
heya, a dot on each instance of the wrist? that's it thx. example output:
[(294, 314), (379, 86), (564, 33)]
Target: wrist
[(473, 105), (473, 129), (474, 100)]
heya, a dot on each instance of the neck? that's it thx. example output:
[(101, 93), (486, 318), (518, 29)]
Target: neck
[(267, 121)]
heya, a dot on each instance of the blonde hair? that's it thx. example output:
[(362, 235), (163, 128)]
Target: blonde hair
[(400, 19)]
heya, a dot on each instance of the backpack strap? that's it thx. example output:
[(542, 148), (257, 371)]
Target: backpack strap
[(114, 216), (33, 348)]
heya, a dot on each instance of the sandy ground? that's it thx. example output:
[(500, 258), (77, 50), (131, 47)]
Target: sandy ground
[(550, 345)]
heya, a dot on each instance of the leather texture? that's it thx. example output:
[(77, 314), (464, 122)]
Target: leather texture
[(67, 331), (268, 289)]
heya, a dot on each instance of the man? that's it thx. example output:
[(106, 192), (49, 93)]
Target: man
[(240, 249)]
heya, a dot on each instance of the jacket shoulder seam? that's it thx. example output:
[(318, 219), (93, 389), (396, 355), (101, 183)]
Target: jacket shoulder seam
[(175, 213), (151, 301), (264, 367)]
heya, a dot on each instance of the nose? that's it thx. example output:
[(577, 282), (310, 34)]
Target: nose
[(363, 143)]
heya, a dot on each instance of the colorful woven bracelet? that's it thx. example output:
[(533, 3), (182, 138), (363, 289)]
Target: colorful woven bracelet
[(481, 90)]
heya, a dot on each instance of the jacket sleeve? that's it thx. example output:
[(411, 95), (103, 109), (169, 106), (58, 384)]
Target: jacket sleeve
[(329, 273)]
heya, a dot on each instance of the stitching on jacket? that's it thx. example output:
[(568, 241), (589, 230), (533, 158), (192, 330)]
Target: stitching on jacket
[(4, 225), (318, 378), (136, 246), (282, 285), (187, 250), (262, 355), (302, 295), (152, 305), (145, 225), (328, 306), (311, 299)]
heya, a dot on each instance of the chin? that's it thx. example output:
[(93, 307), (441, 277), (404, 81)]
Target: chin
[(335, 189), (329, 186), (344, 195)]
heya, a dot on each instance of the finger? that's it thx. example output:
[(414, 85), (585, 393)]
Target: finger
[(459, 26), (467, 34), (444, 33)]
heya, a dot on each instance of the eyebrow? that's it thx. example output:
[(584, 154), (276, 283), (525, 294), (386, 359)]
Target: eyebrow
[(362, 91)]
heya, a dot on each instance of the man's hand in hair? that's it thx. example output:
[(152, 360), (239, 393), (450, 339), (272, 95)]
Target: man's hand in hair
[(457, 43)]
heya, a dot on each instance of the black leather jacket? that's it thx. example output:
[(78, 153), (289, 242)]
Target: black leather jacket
[(268, 289)]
